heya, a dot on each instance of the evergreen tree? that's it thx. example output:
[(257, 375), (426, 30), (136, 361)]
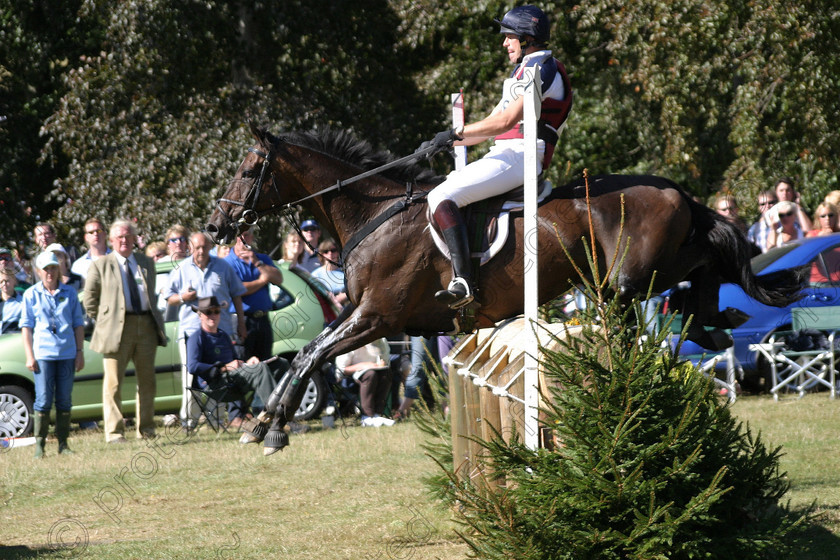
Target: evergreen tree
[(649, 463)]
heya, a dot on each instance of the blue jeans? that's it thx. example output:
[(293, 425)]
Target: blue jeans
[(420, 360), (55, 379)]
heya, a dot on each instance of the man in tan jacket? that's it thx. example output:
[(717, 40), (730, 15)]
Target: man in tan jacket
[(129, 327)]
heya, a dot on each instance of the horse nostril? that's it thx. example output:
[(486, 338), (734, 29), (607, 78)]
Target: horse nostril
[(211, 229)]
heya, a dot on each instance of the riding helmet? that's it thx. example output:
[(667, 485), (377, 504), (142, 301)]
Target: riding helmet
[(526, 20)]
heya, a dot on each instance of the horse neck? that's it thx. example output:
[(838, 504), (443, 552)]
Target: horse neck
[(346, 210)]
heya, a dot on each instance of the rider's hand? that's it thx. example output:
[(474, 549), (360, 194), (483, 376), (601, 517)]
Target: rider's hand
[(441, 142)]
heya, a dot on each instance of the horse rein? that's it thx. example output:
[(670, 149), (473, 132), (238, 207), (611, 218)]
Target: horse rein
[(250, 216)]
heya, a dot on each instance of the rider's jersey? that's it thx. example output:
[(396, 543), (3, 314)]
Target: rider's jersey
[(556, 98)]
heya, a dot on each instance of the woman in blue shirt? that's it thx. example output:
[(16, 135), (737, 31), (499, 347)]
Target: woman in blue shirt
[(53, 336)]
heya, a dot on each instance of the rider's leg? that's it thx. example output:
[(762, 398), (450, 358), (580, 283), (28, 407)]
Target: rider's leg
[(451, 223)]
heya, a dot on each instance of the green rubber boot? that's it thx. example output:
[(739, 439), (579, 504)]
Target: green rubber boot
[(41, 429), (62, 430)]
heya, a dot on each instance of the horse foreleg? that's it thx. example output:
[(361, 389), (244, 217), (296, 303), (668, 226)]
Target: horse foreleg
[(353, 328)]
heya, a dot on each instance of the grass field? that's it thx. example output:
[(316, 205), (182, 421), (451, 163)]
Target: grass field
[(339, 494)]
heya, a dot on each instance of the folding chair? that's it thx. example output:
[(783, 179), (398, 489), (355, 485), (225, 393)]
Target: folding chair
[(707, 362), (209, 401), (800, 368)]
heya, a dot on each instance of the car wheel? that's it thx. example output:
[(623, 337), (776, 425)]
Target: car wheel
[(15, 411), (313, 399)]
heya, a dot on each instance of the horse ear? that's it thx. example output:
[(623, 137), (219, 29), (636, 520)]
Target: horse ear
[(258, 133)]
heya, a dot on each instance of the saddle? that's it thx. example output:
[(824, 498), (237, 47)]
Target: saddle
[(488, 222)]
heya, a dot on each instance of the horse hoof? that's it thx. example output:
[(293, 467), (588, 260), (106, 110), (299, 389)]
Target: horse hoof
[(254, 432), (275, 441), (715, 339)]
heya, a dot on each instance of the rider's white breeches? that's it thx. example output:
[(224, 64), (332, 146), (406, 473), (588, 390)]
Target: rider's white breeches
[(501, 170)]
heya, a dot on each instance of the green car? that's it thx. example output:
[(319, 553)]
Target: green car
[(301, 308)]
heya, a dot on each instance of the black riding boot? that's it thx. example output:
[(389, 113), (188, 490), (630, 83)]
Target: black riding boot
[(451, 223)]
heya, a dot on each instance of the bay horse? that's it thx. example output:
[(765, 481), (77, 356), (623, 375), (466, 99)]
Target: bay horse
[(393, 268)]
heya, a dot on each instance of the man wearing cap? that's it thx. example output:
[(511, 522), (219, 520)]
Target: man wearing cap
[(211, 356), (257, 271), (202, 276), (97, 247), (128, 328), (312, 235)]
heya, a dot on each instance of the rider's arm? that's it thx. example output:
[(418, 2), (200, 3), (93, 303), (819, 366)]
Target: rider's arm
[(495, 123)]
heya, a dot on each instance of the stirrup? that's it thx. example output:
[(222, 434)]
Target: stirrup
[(457, 295)]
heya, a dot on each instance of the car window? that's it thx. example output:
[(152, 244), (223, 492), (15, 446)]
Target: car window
[(825, 268), (762, 261), (280, 297)]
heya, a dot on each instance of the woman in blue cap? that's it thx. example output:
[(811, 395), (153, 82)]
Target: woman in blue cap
[(53, 336), (526, 31)]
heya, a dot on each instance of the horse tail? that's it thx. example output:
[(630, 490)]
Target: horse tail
[(732, 252)]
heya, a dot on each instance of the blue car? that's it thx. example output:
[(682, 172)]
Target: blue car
[(821, 288)]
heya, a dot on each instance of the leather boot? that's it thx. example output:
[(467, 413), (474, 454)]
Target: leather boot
[(62, 430), (454, 230), (41, 428)]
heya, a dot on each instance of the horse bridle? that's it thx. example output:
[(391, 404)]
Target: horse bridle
[(250, 215)]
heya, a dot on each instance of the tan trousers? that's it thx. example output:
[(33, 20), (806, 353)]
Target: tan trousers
[(138, 344)]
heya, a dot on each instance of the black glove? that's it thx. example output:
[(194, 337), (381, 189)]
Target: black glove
[(441, 142)]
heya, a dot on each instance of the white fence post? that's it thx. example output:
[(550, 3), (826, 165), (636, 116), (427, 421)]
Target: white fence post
[(458, 119), (531, 112)]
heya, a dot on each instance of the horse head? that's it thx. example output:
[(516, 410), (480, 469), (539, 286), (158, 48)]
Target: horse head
[(252, 193)]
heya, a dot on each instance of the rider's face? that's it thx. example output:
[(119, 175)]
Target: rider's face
[(513, 46)]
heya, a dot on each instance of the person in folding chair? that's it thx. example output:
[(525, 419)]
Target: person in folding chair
[(527, 31), (211, 358)]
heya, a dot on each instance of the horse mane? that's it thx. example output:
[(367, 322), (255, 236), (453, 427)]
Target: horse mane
[(342, 145)]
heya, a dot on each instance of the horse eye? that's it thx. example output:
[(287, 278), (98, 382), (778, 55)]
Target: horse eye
[(248, 173)]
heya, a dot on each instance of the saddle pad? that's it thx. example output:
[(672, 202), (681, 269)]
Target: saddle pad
[(502, 226)]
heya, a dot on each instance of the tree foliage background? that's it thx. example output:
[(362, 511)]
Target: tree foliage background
[(138, 108)]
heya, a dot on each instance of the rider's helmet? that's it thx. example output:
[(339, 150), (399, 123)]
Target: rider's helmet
[(526, 20)]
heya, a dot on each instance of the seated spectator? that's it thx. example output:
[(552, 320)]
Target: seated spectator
[(292, 249), (787, 232), (329, 274), (826, 219), (97, 243), (11, 302), (68, 278), (727, 206), (156, 250), (369, 368), (212, 358)]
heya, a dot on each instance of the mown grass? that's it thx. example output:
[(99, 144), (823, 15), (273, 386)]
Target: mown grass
[(338, 494)]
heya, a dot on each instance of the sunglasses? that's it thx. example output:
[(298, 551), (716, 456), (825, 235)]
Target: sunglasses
[(826, 215), (311, 229), (181, 239), (97, 230), (333, 250), (785, 215), (216, 311), (5, 258), (767, 203)]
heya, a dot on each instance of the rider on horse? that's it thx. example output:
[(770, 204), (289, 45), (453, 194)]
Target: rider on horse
[(526, 31)]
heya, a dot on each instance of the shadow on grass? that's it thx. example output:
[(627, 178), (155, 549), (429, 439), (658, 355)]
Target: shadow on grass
[(816, 542), (19, 552)]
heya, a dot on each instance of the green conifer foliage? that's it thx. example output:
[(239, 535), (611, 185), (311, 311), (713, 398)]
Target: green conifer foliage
[(650, 463)]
